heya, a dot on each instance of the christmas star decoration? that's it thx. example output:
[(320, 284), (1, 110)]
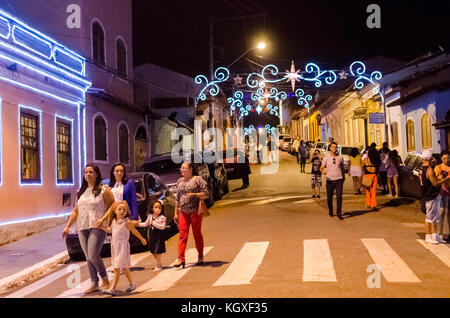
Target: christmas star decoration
[(237, 80), (266, 95), (293, 76), (259, 109), (342, 75)]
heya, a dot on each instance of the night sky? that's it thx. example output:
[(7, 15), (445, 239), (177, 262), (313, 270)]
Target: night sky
[(174, 34)]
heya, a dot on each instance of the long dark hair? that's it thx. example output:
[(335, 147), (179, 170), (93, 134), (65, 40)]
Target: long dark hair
[(354, 152), (150, 207), (98, 182), (112, 178), (374, 157)]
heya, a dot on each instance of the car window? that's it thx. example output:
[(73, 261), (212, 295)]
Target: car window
[(139, 189), (411, 162), (346, 150)]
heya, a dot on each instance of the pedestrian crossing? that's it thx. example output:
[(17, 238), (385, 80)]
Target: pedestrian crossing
[(316, 266)]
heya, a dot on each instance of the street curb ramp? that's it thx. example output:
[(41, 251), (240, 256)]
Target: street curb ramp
[(18, 279)]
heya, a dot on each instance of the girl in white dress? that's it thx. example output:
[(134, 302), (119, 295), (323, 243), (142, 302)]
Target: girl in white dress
[(120, 246)]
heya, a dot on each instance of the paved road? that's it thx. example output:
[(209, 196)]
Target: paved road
[(273, 240)]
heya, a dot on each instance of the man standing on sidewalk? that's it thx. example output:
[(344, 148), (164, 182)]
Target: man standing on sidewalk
[(431, 187), (333, 167)]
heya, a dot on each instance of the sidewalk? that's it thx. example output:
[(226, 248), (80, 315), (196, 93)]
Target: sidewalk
[(31, 257)]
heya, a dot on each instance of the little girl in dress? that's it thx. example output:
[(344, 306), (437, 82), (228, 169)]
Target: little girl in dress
[(157, 223), (120, 246)]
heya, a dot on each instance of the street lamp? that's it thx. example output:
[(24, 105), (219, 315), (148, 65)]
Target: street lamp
[(261, 46)]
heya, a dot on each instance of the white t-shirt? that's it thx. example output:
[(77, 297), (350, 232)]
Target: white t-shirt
[(90, 210), (332, 164), (117, 191)]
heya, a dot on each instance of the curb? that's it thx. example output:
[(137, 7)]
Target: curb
[(18, 279)]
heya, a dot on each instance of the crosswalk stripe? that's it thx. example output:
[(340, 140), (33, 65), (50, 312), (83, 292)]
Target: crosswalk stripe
[(168, 277), (78, 292), (39, 284), (317, 261), (393, 268), (262, 202), (441, 251), (245, 265), (324, 199)]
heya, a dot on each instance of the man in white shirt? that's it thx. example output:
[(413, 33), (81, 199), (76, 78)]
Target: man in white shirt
[(333, 168)]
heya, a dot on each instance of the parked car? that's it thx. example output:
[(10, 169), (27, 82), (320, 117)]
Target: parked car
[(344, 151), (169, 171), (149, 187), (236, 165), (284, 144), (293, 147), (321, 146)]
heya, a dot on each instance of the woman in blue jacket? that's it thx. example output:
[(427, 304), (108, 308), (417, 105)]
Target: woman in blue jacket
[(123, 189)]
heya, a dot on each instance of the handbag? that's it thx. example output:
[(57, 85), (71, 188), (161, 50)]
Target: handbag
[(203, 209)]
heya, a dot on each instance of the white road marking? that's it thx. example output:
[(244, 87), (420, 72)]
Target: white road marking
[(78, 292), (168, 277), (35, 268), (39, 284), (228, 202), (324, 198), (393, 268), (279, 199), (317, 262), (441, 251), (245, 265)]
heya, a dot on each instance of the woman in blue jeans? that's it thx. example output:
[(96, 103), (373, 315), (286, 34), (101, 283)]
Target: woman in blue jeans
[(92, 202)]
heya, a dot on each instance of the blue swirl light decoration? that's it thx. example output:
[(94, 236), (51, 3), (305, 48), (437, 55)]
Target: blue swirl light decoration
[(314, 69), (252, 78), (358, 70), (244, 111), (221, 74), (235, 101), (269, 129), (302, 99), (273, 93), (249, 129), (273, 110)]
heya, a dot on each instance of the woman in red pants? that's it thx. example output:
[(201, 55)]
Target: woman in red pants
[(191, 188), (370, 166)]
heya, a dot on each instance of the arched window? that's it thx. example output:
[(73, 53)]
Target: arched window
[(410, 137), (121, 56), (98, 44), (124, 156), (100, 140), (394, 132), (426, 132)]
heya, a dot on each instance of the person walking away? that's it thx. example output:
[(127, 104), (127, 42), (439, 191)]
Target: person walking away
[(443, 170), (393, 167), (120, 245), (157, 221), (92, 201), (333, 167), (431, 188), (316, 174), (355, 170), (384, 155), (190, 189), (295, 145), (303, 151), (370, 166)]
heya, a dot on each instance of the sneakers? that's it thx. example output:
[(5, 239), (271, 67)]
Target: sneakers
[(157, 269), (440, 239), (430, 239), (92, 289), (131, 288)]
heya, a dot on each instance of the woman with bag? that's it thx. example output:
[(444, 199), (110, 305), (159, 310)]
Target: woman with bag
[(370, 166), (189, 210)]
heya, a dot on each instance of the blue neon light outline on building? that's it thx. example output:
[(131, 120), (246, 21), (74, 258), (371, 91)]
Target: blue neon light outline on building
[(53, 44), (36, 110), (9, 28), (66, 66), (17, 41), (58, 184), (64, 214)]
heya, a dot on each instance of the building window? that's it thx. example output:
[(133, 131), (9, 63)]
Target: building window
[(410, 138), (394, 133), (98, 44), (29, 148), (64, 152), (121, 58), (100, 139), (426, 132), (124, 156)]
